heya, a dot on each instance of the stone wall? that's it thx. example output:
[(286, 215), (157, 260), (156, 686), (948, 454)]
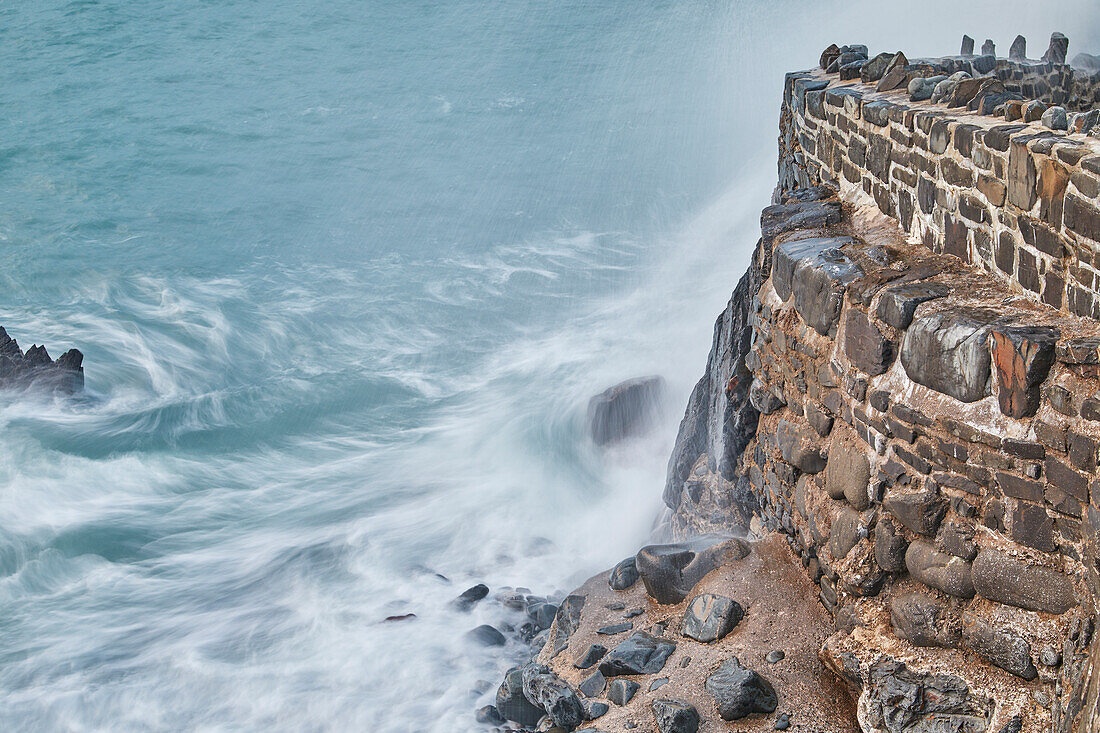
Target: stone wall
[(927, 440), (1018, 200)]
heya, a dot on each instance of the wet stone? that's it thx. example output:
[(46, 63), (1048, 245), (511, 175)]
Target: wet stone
[(486, 635), (511, 702), (710, 617), (554, 695), (814, 274), (470, 597), (615, 629), (948, 352), (641, 653), (489, 715), (669, 572), (898, 304)]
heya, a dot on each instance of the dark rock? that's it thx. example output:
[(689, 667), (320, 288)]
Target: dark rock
[(542, 615), (775, 656), (907, 700), (624, 575), (890, 548), (1059, 47), (921, 88), (845, 533), (669, 572), (489, 715), (621, 691), (641, 653), (799, 447), (948, 352), (864, 344), (625, 410), (939, 570), (920, 510), (783, 721), (797, 216), (1003, 579), (554, 695), (590, 656), (999, 646), (1055, 118), (764, 399), (1018, 51), (967, 46), (37, 370), (958, 540), (512, 704), (848, 474), (876, 67), (828, 56), (567, 620), (658, 683), (615, 629), (675, 716), (710, 617), (814, 274), (740, 692), (923, 621), (819, 420), (1022, 357), (593, 685), (897, 305), (486, 635)]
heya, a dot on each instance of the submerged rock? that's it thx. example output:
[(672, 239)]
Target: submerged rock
[(470, 597), (626, 410)]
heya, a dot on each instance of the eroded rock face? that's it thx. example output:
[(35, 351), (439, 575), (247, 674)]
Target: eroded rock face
[(923, 621), (671, 571), (567, 618), (626, 410), (898, 700)]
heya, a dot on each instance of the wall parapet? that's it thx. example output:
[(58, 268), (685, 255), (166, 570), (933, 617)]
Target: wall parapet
[(1018, 200)]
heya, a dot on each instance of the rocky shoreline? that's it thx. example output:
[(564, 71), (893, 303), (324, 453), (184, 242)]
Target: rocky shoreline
[(35, 369), (884, 493)]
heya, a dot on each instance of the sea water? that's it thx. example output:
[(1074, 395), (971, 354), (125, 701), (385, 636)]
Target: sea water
[(345, 275)]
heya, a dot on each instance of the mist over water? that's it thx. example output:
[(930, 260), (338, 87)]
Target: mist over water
[(345, 276)]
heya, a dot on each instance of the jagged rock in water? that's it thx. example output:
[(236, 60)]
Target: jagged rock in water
[(36, 368), (669, 572), (740, 692), (626, 410), (641, 653), (511, 702), (470, 597), (675, 716)]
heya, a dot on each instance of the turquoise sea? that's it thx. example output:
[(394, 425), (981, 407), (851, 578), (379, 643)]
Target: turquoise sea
[(345, 275)]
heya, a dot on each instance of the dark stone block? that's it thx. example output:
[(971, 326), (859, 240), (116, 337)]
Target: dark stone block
[(920, 511), (865, 345), (814, 273), (675, 716), (999, 646), (641, 653), (1019, 488), (1022, 357), (1082, 218), (1032, 526), (889, 548), (799, 447), (797, 215), (740, 692), (939, 570), (948, 352), (1022, 176), (898, 304), (1003, 579)]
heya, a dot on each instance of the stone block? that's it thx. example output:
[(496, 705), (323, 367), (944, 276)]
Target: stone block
[(948, 352), (920, 510), (897, 304), (1022, 357), (999, 646), (890, 548), (813, 274), (848, 474), (922, 621), (1032, 526), (799, 447), (1021, 177), (939, 570), (864, 344), (1004, 579)]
